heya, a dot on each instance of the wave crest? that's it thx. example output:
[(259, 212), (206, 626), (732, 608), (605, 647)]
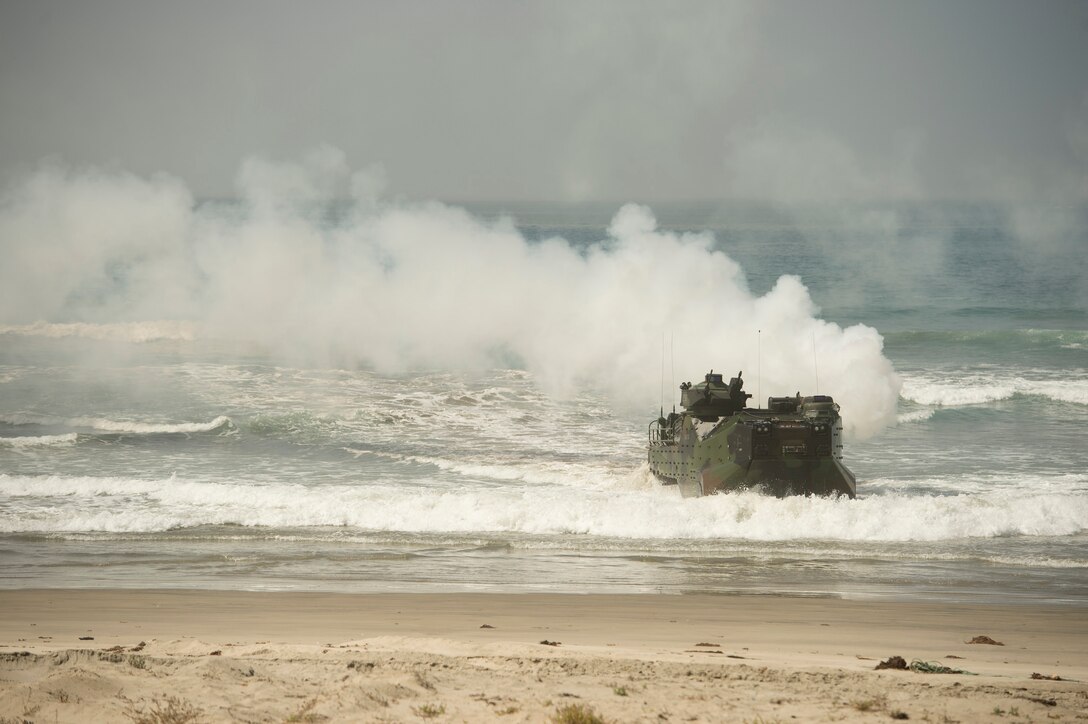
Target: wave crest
[(977, 390), (120, 426), (137, 505), (38, 441)]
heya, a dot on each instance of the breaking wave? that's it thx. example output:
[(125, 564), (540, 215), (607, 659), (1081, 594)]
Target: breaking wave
[(915, 416), (38, 441), (112, 504), (982, 389), (121, 426)]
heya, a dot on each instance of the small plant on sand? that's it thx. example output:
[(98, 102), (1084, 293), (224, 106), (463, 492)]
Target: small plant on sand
[(619, 690), (429, 711), (170, 710), (29, 710), (423, 681), (306, 714), (576, 714), (874, 704), (377, 698)]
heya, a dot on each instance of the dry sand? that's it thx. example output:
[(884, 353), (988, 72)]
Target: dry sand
[(259, 657)]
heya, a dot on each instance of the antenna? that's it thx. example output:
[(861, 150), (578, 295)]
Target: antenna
[(759, 365), (815, 367), (662, 389), (672, 367)]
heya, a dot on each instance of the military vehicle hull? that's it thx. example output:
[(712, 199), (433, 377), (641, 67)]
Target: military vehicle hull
[(792, 447)]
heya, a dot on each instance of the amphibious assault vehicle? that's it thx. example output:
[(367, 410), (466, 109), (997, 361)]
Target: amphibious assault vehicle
[(791, 447)]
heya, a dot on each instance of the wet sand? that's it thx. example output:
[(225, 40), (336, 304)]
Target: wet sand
[(114, 655)]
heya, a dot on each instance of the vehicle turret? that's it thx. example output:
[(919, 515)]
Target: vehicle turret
[(713, 398)]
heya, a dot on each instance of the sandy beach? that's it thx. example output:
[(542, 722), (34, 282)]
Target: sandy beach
[(117, 655)]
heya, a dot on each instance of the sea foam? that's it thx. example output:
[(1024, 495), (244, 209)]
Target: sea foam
[(38, 440), (119, 426), (982, 389), (111, 504)]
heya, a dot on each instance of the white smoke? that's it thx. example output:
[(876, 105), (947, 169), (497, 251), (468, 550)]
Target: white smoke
[(68, 238), (420, 285)]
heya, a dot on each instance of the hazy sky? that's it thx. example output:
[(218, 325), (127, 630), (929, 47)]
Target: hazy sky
[(516, 99)]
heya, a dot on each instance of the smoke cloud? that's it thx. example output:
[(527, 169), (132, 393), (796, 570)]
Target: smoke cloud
[(398, 285)]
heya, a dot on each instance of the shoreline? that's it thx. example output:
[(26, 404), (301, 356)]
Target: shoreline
[(481, 656), (866, 595)]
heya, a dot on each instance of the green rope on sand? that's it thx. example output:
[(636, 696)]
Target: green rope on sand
[(931, 667)]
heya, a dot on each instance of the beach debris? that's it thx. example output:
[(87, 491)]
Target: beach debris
[(1048, 677), (899, 715), (932, 667), (703, 643), (139, 646), (487, 625), (893, 662), (116, 648), (734, 656), (496, 701), (953, 656), (1040, 700), (217, 652), (701, 651), (86, 638), (546, 642), (984, 640)]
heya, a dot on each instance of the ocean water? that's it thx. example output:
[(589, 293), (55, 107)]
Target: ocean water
[(138, 452)]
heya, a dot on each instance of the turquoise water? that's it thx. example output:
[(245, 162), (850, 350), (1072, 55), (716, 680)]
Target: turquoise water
[(383, 425)]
